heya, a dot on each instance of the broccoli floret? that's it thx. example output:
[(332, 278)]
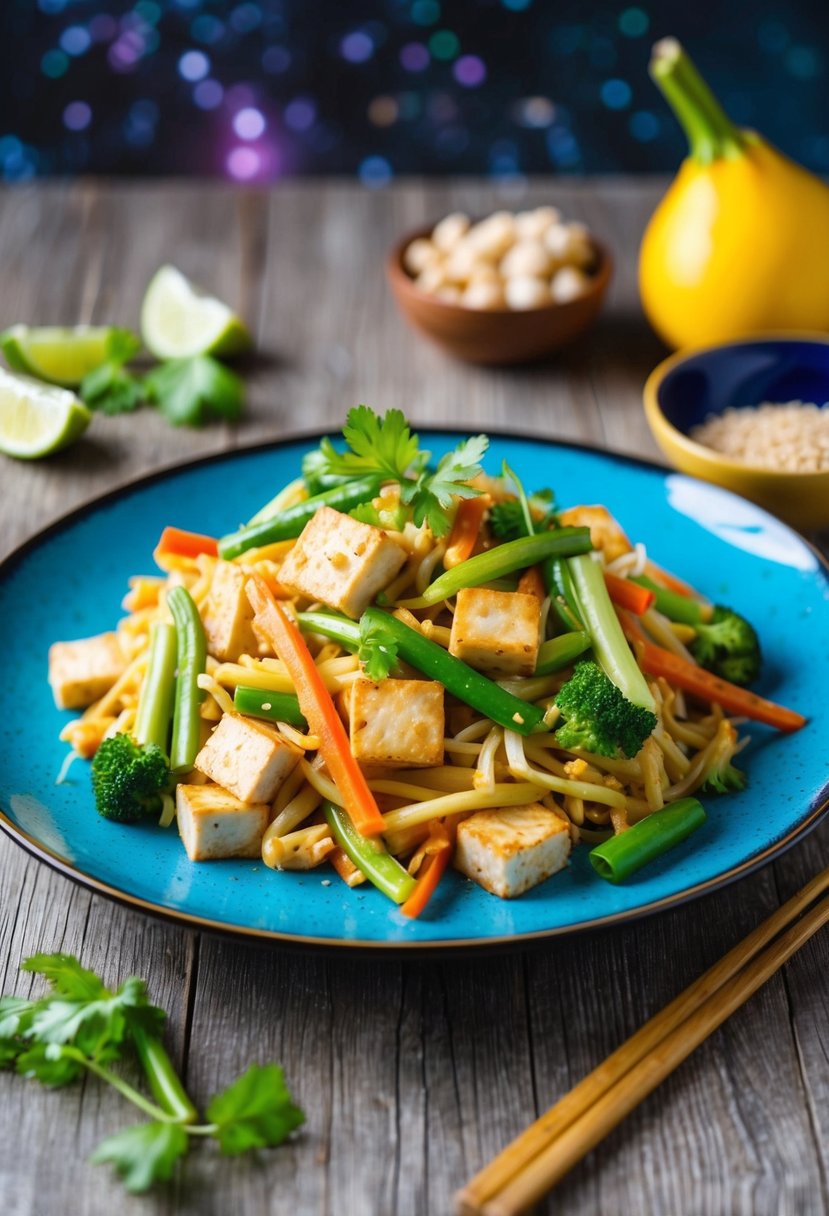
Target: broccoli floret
[(128, 779), (728, 646), (724, 778), (598, 717)]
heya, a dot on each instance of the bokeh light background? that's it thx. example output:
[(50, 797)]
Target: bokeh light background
[(255, 91)]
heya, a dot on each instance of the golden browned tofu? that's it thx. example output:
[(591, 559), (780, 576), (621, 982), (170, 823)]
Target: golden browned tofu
[(498, 632), (213, 824), (342, 562), (248, 758), (228, 616), (397, 722), (605, 532), (510, 849), (80, 672)]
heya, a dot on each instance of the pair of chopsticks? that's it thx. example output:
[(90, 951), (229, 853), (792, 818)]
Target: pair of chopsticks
[(540, 1157)]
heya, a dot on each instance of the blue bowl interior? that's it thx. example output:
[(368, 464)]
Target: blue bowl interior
[(746, 373)]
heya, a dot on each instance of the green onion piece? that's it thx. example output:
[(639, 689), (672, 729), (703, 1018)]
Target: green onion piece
[(273, 706), (192, 660), (676, 607), (504, 559), (155, 705), (338, 628), (561, 651), (616, 859), (458, 678), (369, 856), (556, 577), (609, 643), (288, 524)]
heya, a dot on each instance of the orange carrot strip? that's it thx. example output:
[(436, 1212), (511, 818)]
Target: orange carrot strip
[(466, 529), (699, 682), (427, 881), (531, 583), (185, 544), (629, 595), (318, 707)]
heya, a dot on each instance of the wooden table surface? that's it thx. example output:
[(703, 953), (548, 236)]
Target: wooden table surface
[(412, 1074)]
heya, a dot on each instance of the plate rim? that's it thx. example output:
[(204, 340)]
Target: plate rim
[(396, 947)]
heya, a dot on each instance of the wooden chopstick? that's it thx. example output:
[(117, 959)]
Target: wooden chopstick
[(537, 1159)]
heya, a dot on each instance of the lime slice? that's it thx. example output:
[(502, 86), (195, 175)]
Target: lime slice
[(38, 419), (178, 320), (64, 356)]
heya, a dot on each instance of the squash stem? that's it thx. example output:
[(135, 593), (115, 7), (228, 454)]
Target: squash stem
[(711, 133)]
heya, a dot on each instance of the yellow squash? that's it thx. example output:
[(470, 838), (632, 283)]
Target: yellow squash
[(739, 245)]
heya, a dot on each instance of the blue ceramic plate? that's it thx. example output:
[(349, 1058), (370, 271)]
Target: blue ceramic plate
[(69, 582)]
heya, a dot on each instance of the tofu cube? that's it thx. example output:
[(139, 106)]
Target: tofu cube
[(214, 824), (397, 722), (248, 758), (228, 616), (81, 672), (498, 632), (510, 849), (342, 562)]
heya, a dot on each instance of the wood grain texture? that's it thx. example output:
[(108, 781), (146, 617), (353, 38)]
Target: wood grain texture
[(412, 1074)]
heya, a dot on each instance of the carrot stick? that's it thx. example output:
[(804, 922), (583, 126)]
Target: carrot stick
[(707, 687), (317, 706), (465, 530), (427, 881), (345, 867), (179, 543), (629, 595), (531, 583)]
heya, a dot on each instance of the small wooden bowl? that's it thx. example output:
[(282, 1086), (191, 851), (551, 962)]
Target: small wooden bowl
[(498, 335)]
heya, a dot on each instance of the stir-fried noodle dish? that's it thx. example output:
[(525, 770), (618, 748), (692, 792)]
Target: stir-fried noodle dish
[(402, 664)]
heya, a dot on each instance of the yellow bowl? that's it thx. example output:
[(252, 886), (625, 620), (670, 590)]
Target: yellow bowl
[(690, 386)]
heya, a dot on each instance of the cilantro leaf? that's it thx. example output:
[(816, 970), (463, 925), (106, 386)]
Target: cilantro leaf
[(111, 389), (189, 391), (256, 1111), (143, 1154), (95, 1025), (393, 519), (378, 649), (66, 975), (377, 445), (122, 345), (432, 494), (15, 1013), (47, 1063)]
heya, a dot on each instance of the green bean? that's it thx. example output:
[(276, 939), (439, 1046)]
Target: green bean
[(272, 706), (369, 856), (338, 628), (676, 607), (504, 559), (457, 677), (288, 524)]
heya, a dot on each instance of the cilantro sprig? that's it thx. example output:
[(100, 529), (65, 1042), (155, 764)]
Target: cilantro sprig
[(378, 649), (80, 1026), (386, 446)]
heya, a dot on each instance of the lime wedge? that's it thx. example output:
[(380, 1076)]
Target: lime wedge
[(38, 419), (64, 355), (178, 320)]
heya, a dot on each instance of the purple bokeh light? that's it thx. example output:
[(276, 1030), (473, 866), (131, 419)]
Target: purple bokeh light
[(414, 57), (77, 116), (300, 114), (470, 71), (357, 47), (249, 123), (193, 66), (208, 94)]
